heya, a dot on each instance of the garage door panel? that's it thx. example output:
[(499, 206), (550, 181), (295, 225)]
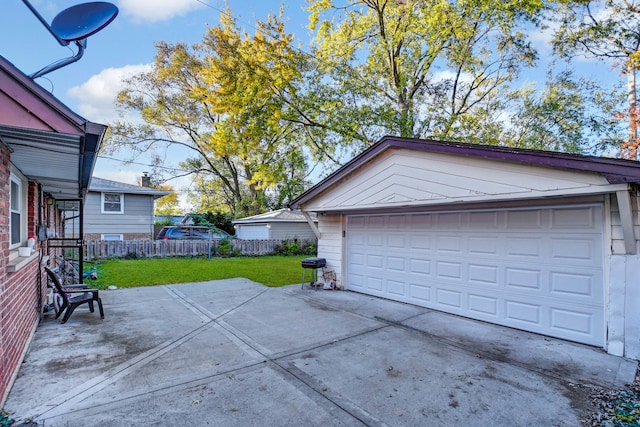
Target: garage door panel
[(374, 261), (521, 279), (577, 219), (581, 250), (449, 297), (483, 245), (483, 274), (523, 247), (484, 220), (447, 220), (396, 241), (397, 288), (358, 239), (522, 312), (449, 244), (523, 220), (484, 305), (448, 270), (396, 264), (373, 283), (375, 240), (419, 266), (419, 293), (530, 269), (579, 286), (572, 321), (420, 241)]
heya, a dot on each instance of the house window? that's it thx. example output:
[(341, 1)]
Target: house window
[(15, 207), (113, 203), (111, 237)]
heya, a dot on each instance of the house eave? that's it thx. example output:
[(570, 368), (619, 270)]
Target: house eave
[(615, 171), (551, 198), (49, 143)]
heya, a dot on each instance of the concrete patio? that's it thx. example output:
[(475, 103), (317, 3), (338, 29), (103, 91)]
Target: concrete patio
[(234, 352)]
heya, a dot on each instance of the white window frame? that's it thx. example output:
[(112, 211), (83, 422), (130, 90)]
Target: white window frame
[(111, 237), (16, 177), (102, 202)]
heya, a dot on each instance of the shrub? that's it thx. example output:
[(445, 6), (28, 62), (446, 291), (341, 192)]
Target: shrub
[(295, 248)]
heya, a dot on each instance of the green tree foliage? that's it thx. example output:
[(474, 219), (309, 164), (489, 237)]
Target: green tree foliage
[(609, 31), (421, 68), (223, 101), (569, 114), (218, 220)]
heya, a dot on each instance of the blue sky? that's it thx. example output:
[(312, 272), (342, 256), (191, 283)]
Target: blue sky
[(127, 45)]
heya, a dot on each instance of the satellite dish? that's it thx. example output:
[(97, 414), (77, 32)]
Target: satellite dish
[(75, 24), (83, 20)]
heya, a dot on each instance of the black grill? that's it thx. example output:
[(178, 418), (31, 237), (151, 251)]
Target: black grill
[(314, 262)]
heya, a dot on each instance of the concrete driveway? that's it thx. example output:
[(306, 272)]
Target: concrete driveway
[(234, 352)]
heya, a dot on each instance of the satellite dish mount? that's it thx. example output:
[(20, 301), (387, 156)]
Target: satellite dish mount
[(75, 24)]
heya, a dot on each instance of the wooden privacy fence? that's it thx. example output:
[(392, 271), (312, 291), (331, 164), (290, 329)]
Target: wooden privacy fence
[(95, 249)]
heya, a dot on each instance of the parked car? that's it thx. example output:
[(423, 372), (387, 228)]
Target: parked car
[(178, 232)]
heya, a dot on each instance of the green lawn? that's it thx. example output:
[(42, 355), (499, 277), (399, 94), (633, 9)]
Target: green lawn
[(268, 270)]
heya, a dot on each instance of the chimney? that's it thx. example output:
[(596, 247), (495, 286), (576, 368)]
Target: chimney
[(145, 180)]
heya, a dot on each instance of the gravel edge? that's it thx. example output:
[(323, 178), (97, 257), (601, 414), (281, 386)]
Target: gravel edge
[(615, 408)]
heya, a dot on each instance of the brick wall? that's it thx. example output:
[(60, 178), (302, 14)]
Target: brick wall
[(6, 368), (21, 291)]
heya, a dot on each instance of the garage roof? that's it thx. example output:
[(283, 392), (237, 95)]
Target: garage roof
[(614, 171), (280, 215), (49, 143)]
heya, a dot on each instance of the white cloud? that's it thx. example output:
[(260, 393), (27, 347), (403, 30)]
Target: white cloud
[(97, 95), (157, 10)]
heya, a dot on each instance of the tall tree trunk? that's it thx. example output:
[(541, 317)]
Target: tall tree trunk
[(633, 113)]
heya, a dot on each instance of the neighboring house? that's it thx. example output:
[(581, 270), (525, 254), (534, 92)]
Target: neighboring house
[(119, 211), (281, 225), (47, 156), (540, 241)]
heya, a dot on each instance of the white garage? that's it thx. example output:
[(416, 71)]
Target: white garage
[(539, 241), (539, 269)]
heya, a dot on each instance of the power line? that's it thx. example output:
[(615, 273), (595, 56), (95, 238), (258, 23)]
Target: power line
[(131, 162)]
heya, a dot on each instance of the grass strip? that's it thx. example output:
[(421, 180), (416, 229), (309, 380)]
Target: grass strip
[(271, 271)]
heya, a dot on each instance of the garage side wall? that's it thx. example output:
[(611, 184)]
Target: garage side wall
[(624, 287), (330, 244)]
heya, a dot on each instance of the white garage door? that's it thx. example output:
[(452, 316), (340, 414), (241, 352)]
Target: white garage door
[(539, 270), (252, 232)]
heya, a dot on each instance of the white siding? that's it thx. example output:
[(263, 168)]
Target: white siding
[(330, 244), (291, 230), (401, 178), (137, 217)]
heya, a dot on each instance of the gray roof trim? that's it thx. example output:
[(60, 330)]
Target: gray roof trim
[(616, 171), (106, 185), (280, 215)]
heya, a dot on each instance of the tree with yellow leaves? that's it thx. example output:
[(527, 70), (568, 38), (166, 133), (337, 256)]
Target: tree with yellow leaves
[(222, 100)]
